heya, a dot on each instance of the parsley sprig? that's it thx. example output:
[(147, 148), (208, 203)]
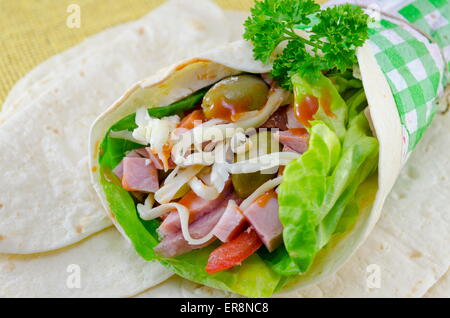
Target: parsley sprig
[(333, 35)]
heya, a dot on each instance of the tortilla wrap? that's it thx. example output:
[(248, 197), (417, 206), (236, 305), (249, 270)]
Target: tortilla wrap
[(42, 139), (179, 81), (408, 242), (101, 266)]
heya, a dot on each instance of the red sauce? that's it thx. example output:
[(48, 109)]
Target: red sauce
[(230, 110), (298, 131), (265, 198), (306, 109), (325, 102)]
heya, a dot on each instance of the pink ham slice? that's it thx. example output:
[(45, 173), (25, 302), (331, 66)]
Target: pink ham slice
[(140, 152), (262, 214), (135, 153), (118, 170), (197, 207), (174, 244), (157, 162), (230, 224), (139, 174), (292, 121), (296, 139), (288, 149)]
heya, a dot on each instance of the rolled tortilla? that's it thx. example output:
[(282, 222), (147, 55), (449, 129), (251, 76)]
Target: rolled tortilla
[(181, 80)]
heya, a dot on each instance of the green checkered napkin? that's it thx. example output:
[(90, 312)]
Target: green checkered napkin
[(413, 65)]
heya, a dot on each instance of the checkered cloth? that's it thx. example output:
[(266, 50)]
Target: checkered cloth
[(414, 67)]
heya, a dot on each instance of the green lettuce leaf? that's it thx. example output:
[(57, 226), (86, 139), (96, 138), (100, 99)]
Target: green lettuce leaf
[(332, 108), (319, 186), (252, 279), (142, 234)]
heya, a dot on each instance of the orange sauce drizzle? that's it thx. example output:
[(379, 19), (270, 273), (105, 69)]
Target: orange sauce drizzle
[(226, 109), (265, 198), (325, 102), (306, 109)]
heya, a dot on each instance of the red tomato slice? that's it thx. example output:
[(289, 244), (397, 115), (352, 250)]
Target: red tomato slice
[(234, 252)]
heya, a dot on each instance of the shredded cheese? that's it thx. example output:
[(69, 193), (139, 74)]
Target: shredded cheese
[(125, 134), (264, 162), (146, 208), (202, 190), (269, 185), (170, 188), (154, 131), (183, 214)]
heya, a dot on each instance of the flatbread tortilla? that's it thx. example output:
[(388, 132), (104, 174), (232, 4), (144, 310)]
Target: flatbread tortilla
[(101, 266), (45, 196)]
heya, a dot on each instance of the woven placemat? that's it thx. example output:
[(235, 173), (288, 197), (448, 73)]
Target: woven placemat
[(32, 31)]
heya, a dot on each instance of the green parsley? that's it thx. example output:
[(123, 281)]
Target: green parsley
[(334, 34)]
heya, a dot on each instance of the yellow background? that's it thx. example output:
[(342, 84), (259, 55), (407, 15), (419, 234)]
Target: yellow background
[(34, 30)]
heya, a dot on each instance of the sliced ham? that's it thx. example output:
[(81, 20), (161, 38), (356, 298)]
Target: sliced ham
[(230, 224), (118, 170), (277, 120), (262, 214), (139, 174), (136, 153), (197, 207), (141, 152), (296, 139), (174, 244), (292, 121), (288, 149)]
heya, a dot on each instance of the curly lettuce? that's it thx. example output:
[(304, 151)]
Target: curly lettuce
[(319, 187)]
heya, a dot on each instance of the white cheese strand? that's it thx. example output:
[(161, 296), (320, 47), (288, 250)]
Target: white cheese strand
[(183, 213), (219, 171), (202, 190), (147, 207), (264, 162), (199, 158), (166, 193), (125, 134), (269, 185), (277, 97), (240, 143)]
